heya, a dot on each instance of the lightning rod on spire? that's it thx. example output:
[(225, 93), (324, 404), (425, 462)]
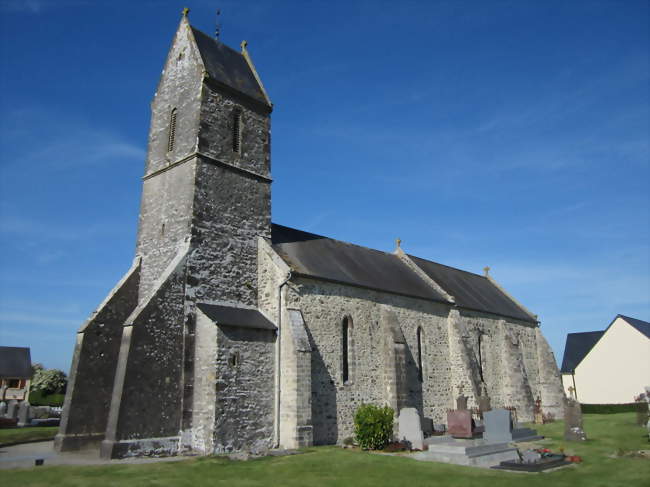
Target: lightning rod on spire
[(217, 31)]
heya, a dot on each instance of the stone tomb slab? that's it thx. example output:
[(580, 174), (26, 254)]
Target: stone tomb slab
[(474, 452), (410, 428)]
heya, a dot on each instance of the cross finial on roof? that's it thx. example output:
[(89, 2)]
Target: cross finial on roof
[(398, 241), (243, 45), (186, 11), (486, 269)]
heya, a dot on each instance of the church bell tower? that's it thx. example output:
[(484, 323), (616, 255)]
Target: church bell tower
[(206, 199)]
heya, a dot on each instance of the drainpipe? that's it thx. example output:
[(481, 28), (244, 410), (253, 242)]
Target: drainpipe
[(277, 362)]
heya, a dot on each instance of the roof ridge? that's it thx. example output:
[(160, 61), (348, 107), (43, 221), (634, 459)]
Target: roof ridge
[(635, 319), (216, 41)]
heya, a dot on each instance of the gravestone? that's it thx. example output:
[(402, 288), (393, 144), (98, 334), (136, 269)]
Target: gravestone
[(12, 409), (427, 426), (539, 415), (530, 456), (3, 409), (410, 428), (498, 426), (23, 414), (460, 424), (484, 404), (573, 421), (461, 402)]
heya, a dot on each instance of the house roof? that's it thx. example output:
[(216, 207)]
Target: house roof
[(642, 326), (229, 67), (320, 257), (15, 362), (577, 347), (232, 316)]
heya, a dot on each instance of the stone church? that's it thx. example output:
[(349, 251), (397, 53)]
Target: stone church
[(232, 333)]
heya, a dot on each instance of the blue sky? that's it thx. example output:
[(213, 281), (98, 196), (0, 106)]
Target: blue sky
[(509, 134)]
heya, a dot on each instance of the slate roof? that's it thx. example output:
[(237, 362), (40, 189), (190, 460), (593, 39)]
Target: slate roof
[(472, 291), (577, 347), (315, 256), (228, 66), (231, 316), (15, 362), (642, 326), (320, 257)]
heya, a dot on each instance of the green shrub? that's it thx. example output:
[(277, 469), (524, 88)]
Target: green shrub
[(373, 426), (630, 407), (37, 398)]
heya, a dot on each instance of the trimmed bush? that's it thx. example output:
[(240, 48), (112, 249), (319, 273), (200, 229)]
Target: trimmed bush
[(630, 407), (37, 398), (373, 426)]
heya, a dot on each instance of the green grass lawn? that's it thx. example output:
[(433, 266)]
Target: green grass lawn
[(333, 466), (24, 435)]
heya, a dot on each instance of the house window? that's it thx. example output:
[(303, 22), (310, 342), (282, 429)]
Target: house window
[(172, 131), (13, 383), (419, 337), (347, 348), (236, 131)]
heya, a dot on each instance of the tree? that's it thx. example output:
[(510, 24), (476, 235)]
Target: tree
[(48, 381)]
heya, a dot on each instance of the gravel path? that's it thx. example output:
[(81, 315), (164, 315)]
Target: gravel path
[(25, 455)]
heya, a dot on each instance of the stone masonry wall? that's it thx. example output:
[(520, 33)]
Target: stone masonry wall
[(216, 131), (231, 211), (333, 403), (450, 356), (167, 197), (245, 389)]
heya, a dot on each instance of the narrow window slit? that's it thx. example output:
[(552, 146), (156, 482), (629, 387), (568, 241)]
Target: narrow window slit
[(236, 131), (172, 131)]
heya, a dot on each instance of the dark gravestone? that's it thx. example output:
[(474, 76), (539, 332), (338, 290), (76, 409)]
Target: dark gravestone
[(460, 424), (484, 404), (573, 421), (461, 402), (498, 426)]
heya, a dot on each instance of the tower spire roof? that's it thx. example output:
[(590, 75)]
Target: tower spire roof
[(230, 68)]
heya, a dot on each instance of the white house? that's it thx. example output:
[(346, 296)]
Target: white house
[(608, 367)]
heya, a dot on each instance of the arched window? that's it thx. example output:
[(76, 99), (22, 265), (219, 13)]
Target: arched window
[(236, 131), (172, 131), (347, 348), (419, 336)]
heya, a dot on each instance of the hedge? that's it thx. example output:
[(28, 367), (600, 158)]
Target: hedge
[(630, 407), (36, 398)]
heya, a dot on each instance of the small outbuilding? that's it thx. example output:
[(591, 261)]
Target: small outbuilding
[(15, 373), (608, 367)]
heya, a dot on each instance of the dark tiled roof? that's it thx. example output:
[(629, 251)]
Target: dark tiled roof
[(642, 326), (577, 347), (228, 66), (324, 258), (472, 291), (231, 316), (315, 256), (15, 362)]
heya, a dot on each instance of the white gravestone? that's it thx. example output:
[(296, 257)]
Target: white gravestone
[(410, 428)]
